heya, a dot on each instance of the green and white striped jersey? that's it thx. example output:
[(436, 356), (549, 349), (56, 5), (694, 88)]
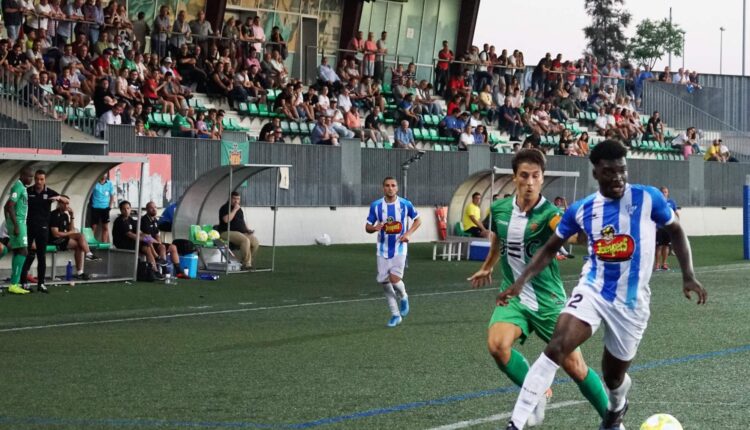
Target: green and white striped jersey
[(521, 234)]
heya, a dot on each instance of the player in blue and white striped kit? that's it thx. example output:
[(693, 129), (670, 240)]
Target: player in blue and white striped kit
[(389, 217), (620, 222)]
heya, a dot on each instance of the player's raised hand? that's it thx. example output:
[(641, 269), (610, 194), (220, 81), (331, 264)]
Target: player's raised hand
[(481, 278), (513, 291), (693, 286)]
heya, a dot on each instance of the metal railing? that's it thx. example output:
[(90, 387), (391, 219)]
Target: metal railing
[(682, 114)]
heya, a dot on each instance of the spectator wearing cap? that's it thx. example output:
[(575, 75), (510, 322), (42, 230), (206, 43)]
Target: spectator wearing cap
[(403, 137)]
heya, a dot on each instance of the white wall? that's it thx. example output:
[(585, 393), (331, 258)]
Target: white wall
[(300, 226)]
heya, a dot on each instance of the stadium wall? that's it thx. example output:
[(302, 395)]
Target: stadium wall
[(345, 225)]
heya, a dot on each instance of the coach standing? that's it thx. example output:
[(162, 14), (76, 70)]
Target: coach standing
[(102, 199), (37, 223)]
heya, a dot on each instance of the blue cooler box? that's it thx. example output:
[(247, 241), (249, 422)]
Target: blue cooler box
[(190, 262), (478, 250)]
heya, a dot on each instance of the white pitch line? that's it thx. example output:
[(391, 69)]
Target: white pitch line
[(226, 311), (500, 417), (727, 268)]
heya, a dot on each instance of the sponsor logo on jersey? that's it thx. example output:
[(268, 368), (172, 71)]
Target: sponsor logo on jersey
[(534, 226), (392, 226), (613, 247)]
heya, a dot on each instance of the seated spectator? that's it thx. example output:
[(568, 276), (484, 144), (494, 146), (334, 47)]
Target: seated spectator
[(655, 128), (234, 230), (472, 217), (407, 109), (124, 235), (172, 92), (110, 117), (486, 103), (567, 145), (187, 65), (326, 75), (480, 136), (140, 129), (337, 121), (604, 122), (322, 133), (688, 138), (220, 83), (466, 138), (403, 137), (452, 125), (373, 125), (713, 152), (181, 125), (33, 95), (65, 236), (424, 99), (582, 145), (268, 129), (344, 101), (353, 122), (725, 154), (509, 120), (151, 237)]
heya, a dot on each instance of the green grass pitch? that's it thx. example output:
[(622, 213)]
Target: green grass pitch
[(307, 347)]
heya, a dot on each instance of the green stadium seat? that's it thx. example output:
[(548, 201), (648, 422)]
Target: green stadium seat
[(458, 230), (263, 110), (437, 147), (294, 128), (252, 109), (88, 234)]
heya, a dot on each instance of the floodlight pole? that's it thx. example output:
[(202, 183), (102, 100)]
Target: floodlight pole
[(670, 52), (721, 48), (405, 169)]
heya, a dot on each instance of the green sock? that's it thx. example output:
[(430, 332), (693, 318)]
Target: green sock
[(592, 389), (17, 266), (517, 368)]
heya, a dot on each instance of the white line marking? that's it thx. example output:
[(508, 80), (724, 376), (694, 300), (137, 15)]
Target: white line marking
[(200, 307), (245, 303), (500, 417), (299, 305), (226, 311)]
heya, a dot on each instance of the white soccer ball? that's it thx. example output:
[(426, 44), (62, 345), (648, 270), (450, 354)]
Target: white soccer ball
[(213, 235), (661, 422), (324, 239), (202, 236)]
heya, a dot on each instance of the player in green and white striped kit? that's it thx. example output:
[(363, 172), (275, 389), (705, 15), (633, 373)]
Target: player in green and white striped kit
[(522, 224)]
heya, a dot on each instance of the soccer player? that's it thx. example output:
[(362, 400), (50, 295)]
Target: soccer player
[(40, 203), (521, 224), (16, 209), (389, 217), (620, 223)]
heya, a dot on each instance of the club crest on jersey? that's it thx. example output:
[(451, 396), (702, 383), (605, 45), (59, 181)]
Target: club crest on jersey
[(392, 226), (534, 226), (613, 247)]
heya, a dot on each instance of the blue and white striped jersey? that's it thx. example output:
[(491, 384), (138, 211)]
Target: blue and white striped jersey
[(621, 241), (395, 219)]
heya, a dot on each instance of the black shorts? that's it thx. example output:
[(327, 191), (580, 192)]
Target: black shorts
[(662, 237), (99, 216), (5, 241), (61, 243)]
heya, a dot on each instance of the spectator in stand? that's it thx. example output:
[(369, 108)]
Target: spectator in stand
[(324, 102), (370, 48), (160, 31), (424, 99), (445, 58), (344, 101), (725, 154), (480, 136), (171, 90), (403, 137), (181, 125), (201, 29), (258, 35), (687, 139), (655, 128), (645, 75), (327, 76), (187, 66), (486, 104), (353, 122), (278, 42), (268, 128), (279, 72), (111, 117), (382, 51), (356, 46), (510, 120), (582, 144), (13, 18), (337, 121), (322, 133), (452, 125), (713, 152), (471, 221), (539, 74), (373, 125), (466, 138), (140, 30), (407, 109)]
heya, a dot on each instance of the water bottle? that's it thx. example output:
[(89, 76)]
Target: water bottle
[(209, 276), (69, 271), (168, 280)]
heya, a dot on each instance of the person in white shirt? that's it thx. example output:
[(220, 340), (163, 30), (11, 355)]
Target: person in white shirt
[(466, 138), (111, 117), (345, 102)]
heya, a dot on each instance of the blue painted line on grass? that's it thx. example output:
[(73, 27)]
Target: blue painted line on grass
[(341, 418)]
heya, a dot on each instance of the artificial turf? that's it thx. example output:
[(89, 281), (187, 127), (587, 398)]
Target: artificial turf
[(306, 347)]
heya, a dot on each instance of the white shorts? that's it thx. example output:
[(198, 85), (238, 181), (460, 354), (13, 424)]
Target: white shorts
[(624, 327), (393, 266)]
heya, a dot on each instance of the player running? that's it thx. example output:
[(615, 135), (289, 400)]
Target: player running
[(389, 217), (620, 222), (522, 223), (16, 209)]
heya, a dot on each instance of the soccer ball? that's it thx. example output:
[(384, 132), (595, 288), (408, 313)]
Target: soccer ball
[(202, 236), (213, 235), (661, 422), (323, 239)]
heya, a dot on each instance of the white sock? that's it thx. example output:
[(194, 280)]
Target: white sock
[(537, 381), (80, 272), (401, 288), (619, 395), (390, 297), (89, 254)]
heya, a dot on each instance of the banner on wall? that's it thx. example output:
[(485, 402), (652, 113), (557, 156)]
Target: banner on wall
[(157, 184)]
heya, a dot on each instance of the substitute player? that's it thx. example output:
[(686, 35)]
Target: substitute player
[(521, 224), (16, 209), (620, 222), (389, 217)]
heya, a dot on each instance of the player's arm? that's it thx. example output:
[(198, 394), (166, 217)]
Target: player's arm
[(681, 247), (541, 259), (414, 226), (372, 225), (10, 214), (483, 276)]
